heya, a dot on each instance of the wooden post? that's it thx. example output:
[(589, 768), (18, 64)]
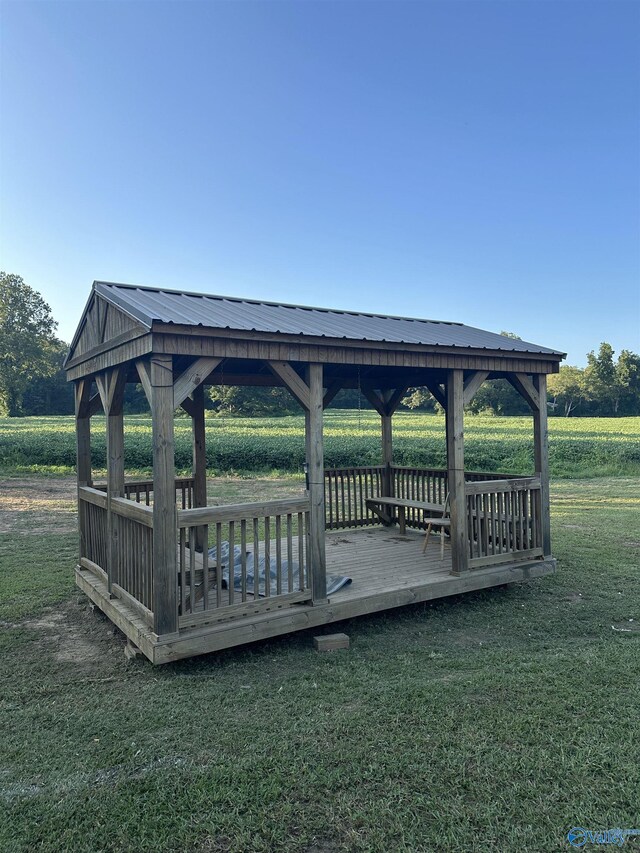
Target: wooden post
[(315, 463), (387, 454), (385, 404), (111, 384), (199, 459), (82, 389), (541, 455), (165, 578), (115, 476), (455, 469)]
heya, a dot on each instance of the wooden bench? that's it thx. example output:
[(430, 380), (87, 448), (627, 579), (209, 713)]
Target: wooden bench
[(401, 505)]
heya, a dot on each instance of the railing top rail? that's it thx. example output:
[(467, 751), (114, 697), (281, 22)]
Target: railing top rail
[(92, 495), (238, 512), (121, 506), (356, 468), (487, 475), (133, 511), (511, 485)]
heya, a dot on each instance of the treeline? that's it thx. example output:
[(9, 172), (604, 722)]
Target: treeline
[(33, 382)]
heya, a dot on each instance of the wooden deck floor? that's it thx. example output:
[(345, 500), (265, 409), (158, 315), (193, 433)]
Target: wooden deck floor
[(387, 570), (379, 559)]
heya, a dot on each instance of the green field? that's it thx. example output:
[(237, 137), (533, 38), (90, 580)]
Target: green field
[(496, 720), (578, 446)]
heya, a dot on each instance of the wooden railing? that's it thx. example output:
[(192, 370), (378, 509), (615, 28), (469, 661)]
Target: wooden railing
[(345, 493), (254, 559), (347, 489), (141, 491), (127, 565), (503, 520), (418, 484)]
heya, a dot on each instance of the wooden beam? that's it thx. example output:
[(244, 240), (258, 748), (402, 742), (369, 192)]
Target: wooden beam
[(315, 462), (524, 386), (143, 366), (472, 385), (393, 398), (293, 382), (438, 392), (375, 399), (95, 404), (110, 384), (455, 470), (165, 573), (331, 392), (87, 404), (541, 456), (192, 377), (187, 405)]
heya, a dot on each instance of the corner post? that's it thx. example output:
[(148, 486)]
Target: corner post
[(111, 384), (82, 390), (455, 471), (541, 456), (315, 462), (165, 590)]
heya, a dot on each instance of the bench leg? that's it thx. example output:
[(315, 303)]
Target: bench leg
[(426, 538), (401, 520)]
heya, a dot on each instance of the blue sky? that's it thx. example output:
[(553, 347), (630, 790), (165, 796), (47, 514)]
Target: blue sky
[(470, 161)]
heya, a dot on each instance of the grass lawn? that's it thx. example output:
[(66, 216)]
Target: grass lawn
[(493, 721)]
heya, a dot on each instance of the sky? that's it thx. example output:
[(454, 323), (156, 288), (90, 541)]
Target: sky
[(468, 161)]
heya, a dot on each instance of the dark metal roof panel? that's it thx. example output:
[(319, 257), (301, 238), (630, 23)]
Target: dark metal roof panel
[(149, 305)]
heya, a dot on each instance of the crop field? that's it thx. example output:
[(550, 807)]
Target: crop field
[(579, 447)]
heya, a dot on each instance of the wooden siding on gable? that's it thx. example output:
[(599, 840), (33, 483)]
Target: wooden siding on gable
[(100, 324)]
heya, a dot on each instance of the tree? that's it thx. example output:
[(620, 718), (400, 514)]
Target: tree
[(628, 379), (252, 401), (27, 339), (567, 389), (50, 394), (421, 399), (498, 397), (601, 379)]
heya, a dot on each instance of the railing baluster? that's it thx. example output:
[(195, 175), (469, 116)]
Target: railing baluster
[(231, 560), (278, 555), (256, 558), (267, 557), (243, 558), (218, 565), (290, 552)]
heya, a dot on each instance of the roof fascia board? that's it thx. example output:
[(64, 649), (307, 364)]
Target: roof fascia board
[(350, 343)]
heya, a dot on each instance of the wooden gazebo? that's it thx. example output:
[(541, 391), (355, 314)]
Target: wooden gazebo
[(181, 578)]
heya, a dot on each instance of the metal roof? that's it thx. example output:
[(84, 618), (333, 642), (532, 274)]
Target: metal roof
[(148, 305)]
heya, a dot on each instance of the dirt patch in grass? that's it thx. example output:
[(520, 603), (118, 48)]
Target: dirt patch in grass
[(36, 505), (75, 634)]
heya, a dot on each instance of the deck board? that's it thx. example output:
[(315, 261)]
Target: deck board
[(379, 559)]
